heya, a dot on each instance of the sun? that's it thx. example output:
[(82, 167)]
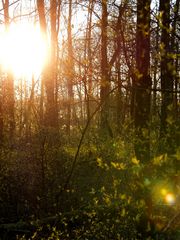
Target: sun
[(23, 50)]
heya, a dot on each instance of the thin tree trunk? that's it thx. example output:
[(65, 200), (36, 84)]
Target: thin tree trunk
[(9, 83), (155, 73), (174, 62), (119, 95), (42, 20), (70, 71), (166, 71), (57, 59), (53, 63), (89, 53)]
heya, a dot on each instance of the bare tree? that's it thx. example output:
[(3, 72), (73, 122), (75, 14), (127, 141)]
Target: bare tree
[(166, 64), (88, 44), (42, 21), (70, 70)]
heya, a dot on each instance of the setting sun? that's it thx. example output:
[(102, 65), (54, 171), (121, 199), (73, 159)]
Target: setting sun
[(23, 50)]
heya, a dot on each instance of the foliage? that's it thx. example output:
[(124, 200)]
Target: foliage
[(104, 198)]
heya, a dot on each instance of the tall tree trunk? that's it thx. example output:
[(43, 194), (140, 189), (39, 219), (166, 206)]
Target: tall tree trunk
[(57, 60), (49, 73), (105, 82), (166, 65), (142, 102), (42, 20), (174, 60), (70, 71), (142, 84), (9, 83), (155, 71), (89, 56), (48, 81), (53, 63)]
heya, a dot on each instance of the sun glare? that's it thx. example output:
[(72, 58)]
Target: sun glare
[(23, 50), (170, 199)]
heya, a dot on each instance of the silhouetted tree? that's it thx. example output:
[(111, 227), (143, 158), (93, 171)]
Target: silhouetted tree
[(105, 81), (70, 71), (166, 64), (8, 106), (142, 84)]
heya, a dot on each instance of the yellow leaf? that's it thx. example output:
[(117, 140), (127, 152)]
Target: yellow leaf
[(159, 160), (123, 196), (135, 161), (119, 166), (99, 162), (107, 200), (123, 212)]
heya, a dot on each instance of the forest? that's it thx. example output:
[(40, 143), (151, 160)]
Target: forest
[(89, 119)]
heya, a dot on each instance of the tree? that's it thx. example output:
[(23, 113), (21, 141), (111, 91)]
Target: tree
[(53, 64), (105, 81), (42, 21), (49, 74), (70, 70), (88, 46), (8, 105), (174, 49), (142, 100), (165, 65), (142, 84)]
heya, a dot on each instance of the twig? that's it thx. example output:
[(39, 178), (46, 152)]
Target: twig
[(171, 221)]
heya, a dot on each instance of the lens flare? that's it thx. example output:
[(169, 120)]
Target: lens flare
[(170, 199), (163, 191)]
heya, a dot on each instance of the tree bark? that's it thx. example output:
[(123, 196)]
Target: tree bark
[(142, 102), (49, 73), (89, 58), (42, 20), (165, 65), (70, 71), (142, 84), (105, 82), (174, 60), (53, 63)]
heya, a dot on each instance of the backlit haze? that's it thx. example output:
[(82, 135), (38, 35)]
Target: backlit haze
[(23, 50)]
